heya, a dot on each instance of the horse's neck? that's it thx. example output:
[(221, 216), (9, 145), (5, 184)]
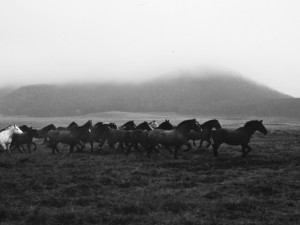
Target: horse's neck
[(250, 130), (184, 129), (207, 126)]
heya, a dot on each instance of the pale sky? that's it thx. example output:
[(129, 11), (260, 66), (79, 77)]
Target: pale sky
[(107, 40)]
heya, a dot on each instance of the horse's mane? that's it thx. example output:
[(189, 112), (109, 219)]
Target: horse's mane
[(129, 122), (186, 122), (207, 122), (50, 125), (251, 123), (5, 128)]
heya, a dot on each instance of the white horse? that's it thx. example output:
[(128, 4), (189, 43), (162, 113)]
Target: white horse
[(153, 124), (6, 136)]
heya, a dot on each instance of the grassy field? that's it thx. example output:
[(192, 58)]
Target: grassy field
[(99, 188)]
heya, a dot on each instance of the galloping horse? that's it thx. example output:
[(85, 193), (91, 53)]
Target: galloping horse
[(176, 137), (42, 133), (139, 136), (25, 138), (240, 136), (120, 135), (71, 137), (205, 133), (6, 136)]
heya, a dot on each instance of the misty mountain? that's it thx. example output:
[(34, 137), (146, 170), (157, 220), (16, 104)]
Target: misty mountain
[(210, 95)]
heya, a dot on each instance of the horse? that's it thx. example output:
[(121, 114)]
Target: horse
[(239, 137), (6, 136), (25, 138), (42, 133), (166, 125), (100, 132), (153, 124), (139, 136), (205, 133), (71, 137), (176, 137), (120, 135)]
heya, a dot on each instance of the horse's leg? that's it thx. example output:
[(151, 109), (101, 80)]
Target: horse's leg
[(129, 148), (208, 143), (28, 147), (8, 148), (201, 142), (175, 152), (34, 144), (249, 150), (92, 145), (215, 149), (150, 148), (18, 147), (194, 142), (189, 146), (101, 143), (72, 148)]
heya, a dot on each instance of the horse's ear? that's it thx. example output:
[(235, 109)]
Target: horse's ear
[(261, 121)]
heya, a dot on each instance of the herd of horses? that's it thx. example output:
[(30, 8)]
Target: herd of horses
[(148, 136)]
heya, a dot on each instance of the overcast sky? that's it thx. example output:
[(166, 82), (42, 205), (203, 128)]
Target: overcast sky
[(96, 40)]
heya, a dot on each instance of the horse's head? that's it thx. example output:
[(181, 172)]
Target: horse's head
[(256, 125), (88, 124), (153, 124), (166, 125), (73, 124), (217, 125), (196, 126), (16, 129), (130, 125), (144, 126), (261, 128), (112, 126), (188, 125)]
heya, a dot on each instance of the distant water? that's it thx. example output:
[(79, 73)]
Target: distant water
[(121, 117)]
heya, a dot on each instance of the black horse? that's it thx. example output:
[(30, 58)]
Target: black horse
[(42, 133), (205, 133), (139, 136), (240, 136), (25, 138), (71, 137), (176, 137)]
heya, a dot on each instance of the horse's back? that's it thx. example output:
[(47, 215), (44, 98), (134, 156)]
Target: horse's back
[(159, 136), (231, 137)]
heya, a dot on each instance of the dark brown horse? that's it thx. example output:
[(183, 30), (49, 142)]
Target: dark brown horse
[(176, 137), (26, 138), (139, 136), (71, 137), (240, 136), (42, 133), (205, 133)]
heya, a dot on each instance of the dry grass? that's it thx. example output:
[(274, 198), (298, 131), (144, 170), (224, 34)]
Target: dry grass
[(86, 188)]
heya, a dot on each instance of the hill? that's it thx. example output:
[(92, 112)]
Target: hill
[(209, 95)]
